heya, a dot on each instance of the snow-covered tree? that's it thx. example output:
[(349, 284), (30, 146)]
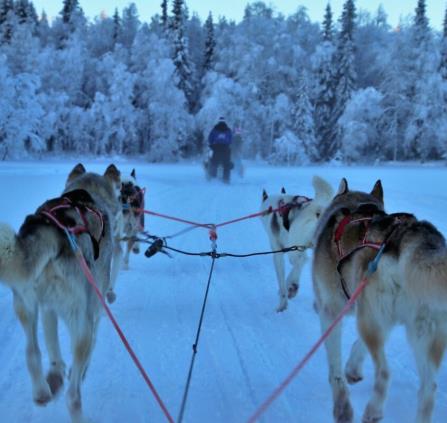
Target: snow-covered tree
[(129, 26), (20, 113), (324, 95), (328, 29), (345, 76), (115, 115), (117, 29), (164, 14), (361, 141), (303, 119), (210, 44), (289, 149), (180, 53), (443, 64)]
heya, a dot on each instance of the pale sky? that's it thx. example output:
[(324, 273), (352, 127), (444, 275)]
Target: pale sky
[(234, 9)]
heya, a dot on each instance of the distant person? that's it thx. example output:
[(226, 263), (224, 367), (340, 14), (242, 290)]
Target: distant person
[(236, 151), (219, 141)]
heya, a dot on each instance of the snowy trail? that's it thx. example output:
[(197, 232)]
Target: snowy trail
[(246, 348)]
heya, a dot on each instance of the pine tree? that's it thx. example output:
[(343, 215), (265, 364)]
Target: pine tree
[(5, 7), (180, 52), (21, 10), (443, 64), (302, 118), (164, 14), (345, 76), (129, 25), (325, 124), (328, 30), (7, 16), (420, 20), (70, 7), (210, 44), (116, 26), (43, 28)]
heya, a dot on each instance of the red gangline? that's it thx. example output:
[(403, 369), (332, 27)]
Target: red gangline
[(177, 219), (91, 280), (210, 225), (275, 394)]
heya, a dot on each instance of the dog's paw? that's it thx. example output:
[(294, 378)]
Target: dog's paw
[(343, 412), (292, 290), (111, 297), (42, 396), (282, 306), (372, 414)]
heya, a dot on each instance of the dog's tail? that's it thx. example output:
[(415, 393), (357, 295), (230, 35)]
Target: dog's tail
[(23, 258)]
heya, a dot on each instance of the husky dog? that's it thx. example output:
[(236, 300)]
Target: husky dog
[(293, 224), (409, 288), (132, 197), (38, 264)]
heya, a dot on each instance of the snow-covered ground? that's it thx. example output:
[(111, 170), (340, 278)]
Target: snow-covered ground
[(246, 348)]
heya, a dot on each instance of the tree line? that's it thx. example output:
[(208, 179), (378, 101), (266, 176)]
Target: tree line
[(352, 89)]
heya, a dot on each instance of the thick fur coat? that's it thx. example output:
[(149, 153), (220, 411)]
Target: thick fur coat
[(40, 267), (409, 288)]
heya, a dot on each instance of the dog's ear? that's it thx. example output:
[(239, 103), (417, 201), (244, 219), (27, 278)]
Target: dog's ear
[(343, 187), (264, 195), (283, 190), (323, 189), (133, 174), (77, 171), (113, 174), (377, 190)]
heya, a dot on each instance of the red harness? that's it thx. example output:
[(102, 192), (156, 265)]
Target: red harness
[(347, 220), (363, 243), (56, 215)]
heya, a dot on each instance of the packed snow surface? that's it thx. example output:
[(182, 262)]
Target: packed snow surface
[(246, 349)]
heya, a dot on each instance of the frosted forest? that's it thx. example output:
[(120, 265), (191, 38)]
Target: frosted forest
[(350, 88)]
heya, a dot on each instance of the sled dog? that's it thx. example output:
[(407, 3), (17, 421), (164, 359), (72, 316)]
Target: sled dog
[(409, 287), (39, 265), (132, 197), (293, 224)]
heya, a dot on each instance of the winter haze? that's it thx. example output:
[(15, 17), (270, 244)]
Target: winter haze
[(340, 89)]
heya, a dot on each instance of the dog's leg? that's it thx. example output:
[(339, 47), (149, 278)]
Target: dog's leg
[(116, 265), (82, 340), (342, 407), (374, 330), (428, 350), (28, 316), (354, 365), (297, 260), (56, 373), (278, 260), (126, 254)]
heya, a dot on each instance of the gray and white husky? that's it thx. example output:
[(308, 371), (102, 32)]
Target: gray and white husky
[(40, 267), (293, 224), (409, 288), (132, 197)]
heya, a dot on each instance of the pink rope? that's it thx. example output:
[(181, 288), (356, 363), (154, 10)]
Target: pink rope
[(91, 280), (277, 392)]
